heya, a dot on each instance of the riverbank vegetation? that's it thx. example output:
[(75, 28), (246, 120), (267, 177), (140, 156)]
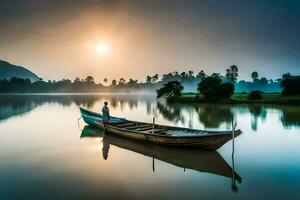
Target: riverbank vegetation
[(170, 89), (239, 98), (212, 89), (189, 80)]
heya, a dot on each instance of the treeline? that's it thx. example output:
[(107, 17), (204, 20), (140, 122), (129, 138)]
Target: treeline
[(78, 85), (189, 81), (214, 89)]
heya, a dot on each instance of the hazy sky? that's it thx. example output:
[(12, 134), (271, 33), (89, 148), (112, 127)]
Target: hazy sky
[(59, 38)]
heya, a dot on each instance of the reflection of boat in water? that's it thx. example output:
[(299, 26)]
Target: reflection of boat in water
[(202, 161), (160, 134)]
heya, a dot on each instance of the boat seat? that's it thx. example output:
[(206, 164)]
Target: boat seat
[(125, 125), (139, 127), (156, 131), (146, 128)]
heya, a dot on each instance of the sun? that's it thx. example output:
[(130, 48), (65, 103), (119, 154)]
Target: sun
[(102, 49)]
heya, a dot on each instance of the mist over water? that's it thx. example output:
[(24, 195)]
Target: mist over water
[(47, 153)]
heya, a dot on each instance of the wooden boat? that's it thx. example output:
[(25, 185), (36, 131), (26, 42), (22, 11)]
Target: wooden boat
[(194, 159), (160, 134)]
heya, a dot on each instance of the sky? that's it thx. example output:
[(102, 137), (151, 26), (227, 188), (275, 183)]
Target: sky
[(117, 38)]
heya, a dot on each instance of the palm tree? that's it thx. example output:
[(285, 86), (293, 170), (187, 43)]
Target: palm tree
[(232, 73), (155, 78)]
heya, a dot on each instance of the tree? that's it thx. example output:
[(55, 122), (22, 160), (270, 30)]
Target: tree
[(148, 79), (105, 80), (264, 81), (176, 74), (201, 75), (155, 78), (122, 81), (290, 84), (287, 75), (213, 89), (216, 75), (183, 75), (89, 80), (208, 87), (191, 73), (168, 77), (132, 82), (113, 83), (232, 73), (170, 89), (226, 90), (76, 80), (254, 75)]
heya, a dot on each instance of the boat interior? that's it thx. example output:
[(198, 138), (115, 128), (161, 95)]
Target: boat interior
[(158, 129)]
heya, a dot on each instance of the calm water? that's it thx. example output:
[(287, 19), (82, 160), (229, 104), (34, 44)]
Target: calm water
[(46, 153)]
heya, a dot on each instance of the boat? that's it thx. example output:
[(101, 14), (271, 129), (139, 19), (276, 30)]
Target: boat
[(195, 159), (160, 134)]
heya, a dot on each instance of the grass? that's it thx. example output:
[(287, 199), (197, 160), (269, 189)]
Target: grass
[(239, 98)]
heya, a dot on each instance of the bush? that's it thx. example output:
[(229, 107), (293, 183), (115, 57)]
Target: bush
[(213, 89), (291, 85), (255, 95)]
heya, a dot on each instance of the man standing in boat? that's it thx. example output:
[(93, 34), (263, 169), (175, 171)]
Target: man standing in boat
[(105, 113)]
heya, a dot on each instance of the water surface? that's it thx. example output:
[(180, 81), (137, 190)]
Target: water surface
[(47, 153)]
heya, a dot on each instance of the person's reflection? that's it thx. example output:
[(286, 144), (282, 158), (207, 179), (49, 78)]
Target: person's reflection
[(113, 102), (105, 149)]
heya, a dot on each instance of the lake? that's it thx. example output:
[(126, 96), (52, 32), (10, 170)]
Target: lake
[(47, 152)]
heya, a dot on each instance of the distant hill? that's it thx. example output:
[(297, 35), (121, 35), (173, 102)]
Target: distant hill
[(7, 71)]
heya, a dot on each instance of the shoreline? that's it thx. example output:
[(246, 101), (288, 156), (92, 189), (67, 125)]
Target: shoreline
[(185, 98), (75, 93), (267, 98)]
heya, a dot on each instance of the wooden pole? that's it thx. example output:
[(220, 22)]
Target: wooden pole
[(153, 164), (233, 131), (153, 125), (233, 185), (233, 135)]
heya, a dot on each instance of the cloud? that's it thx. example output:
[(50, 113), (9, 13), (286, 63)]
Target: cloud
[(212, 33)]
